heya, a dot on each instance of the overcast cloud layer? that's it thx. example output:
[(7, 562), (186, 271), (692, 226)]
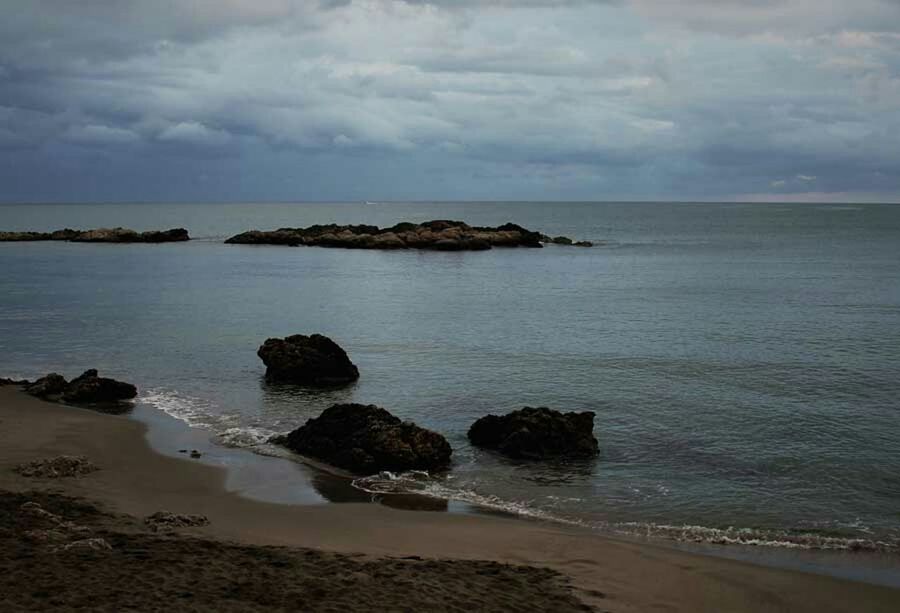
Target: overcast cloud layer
[(376, 99)]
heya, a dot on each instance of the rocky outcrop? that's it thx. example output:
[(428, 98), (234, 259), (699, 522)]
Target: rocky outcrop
[(88, 388), (91, 388), (19, 382), (439, 235), (540, 433), (100, 235), (48, 386), (366, 440), (307, 360)]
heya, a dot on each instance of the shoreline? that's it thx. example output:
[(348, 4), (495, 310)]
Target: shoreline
[(137, 480)]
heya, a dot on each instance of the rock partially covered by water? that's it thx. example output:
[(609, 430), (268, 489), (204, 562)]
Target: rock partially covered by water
[(438, 235), (366, 440), (93, 389), (100, 235), (88, 388), (307, 360), (539, 433)]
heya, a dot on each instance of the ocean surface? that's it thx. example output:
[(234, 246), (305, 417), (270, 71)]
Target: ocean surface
[(743, 360)]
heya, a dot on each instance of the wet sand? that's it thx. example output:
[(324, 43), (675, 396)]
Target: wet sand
[(231, 563)]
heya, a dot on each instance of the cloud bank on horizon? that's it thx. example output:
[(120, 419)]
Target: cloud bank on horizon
[(414, 99)]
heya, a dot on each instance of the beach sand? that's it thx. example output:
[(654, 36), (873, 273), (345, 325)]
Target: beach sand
[(256, 555)]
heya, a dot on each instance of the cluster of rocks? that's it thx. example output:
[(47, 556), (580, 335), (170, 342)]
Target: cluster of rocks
[(100, 235), (57, 468), (565, 241), (367, 439), (88, 388), (439, 235)]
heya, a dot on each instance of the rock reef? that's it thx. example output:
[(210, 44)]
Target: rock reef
[(366, 439), (537, 434), (307, 360), (439, 235), (100, 235), (88, 388)]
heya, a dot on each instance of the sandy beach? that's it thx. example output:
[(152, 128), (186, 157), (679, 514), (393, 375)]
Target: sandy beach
[(330, 557)]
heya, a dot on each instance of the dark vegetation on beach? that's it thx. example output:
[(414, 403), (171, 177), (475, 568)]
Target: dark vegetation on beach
[(438, 235), (100, 235), (67, 554)]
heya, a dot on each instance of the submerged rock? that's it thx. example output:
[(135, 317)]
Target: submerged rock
[(366, 439), (438, 235), (100, 235), (539, 433), (307, 360)]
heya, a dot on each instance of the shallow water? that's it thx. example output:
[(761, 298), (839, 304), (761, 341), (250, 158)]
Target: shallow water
[(743, 360)]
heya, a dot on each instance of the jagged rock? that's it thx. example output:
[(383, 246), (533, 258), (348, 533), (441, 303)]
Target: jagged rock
[(19, 382), (440, 235), (100, 235), (539, 433), (307, 360), (366, 440), (92, 389), (48, 386), (164, 520), (58, 467)]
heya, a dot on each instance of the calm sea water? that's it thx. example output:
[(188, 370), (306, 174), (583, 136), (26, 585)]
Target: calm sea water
[(743, 360)]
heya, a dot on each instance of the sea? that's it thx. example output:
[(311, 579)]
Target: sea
[(742, 360)]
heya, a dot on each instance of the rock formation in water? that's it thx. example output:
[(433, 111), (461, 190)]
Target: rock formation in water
[(307, 360), (100, 235), (540, 433), (88, 388), (366, 440), (440, 235)]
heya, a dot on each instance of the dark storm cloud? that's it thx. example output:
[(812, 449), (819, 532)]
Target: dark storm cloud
[(282, 99)]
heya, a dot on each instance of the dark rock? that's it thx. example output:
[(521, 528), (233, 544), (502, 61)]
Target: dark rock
[(368, 439), (439, 235), (13, 382), (307, 360), (100, 235), (584, 244), (165, 520), (48, 386), (92, 389), (562, 240), (539, 433), (174, 235), (8, 237)]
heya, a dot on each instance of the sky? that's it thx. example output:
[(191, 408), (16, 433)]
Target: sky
[(289, 100)]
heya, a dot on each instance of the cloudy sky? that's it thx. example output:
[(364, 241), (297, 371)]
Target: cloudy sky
[(416, 100)]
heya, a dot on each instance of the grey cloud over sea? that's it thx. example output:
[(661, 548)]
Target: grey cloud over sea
[(372, 99)]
